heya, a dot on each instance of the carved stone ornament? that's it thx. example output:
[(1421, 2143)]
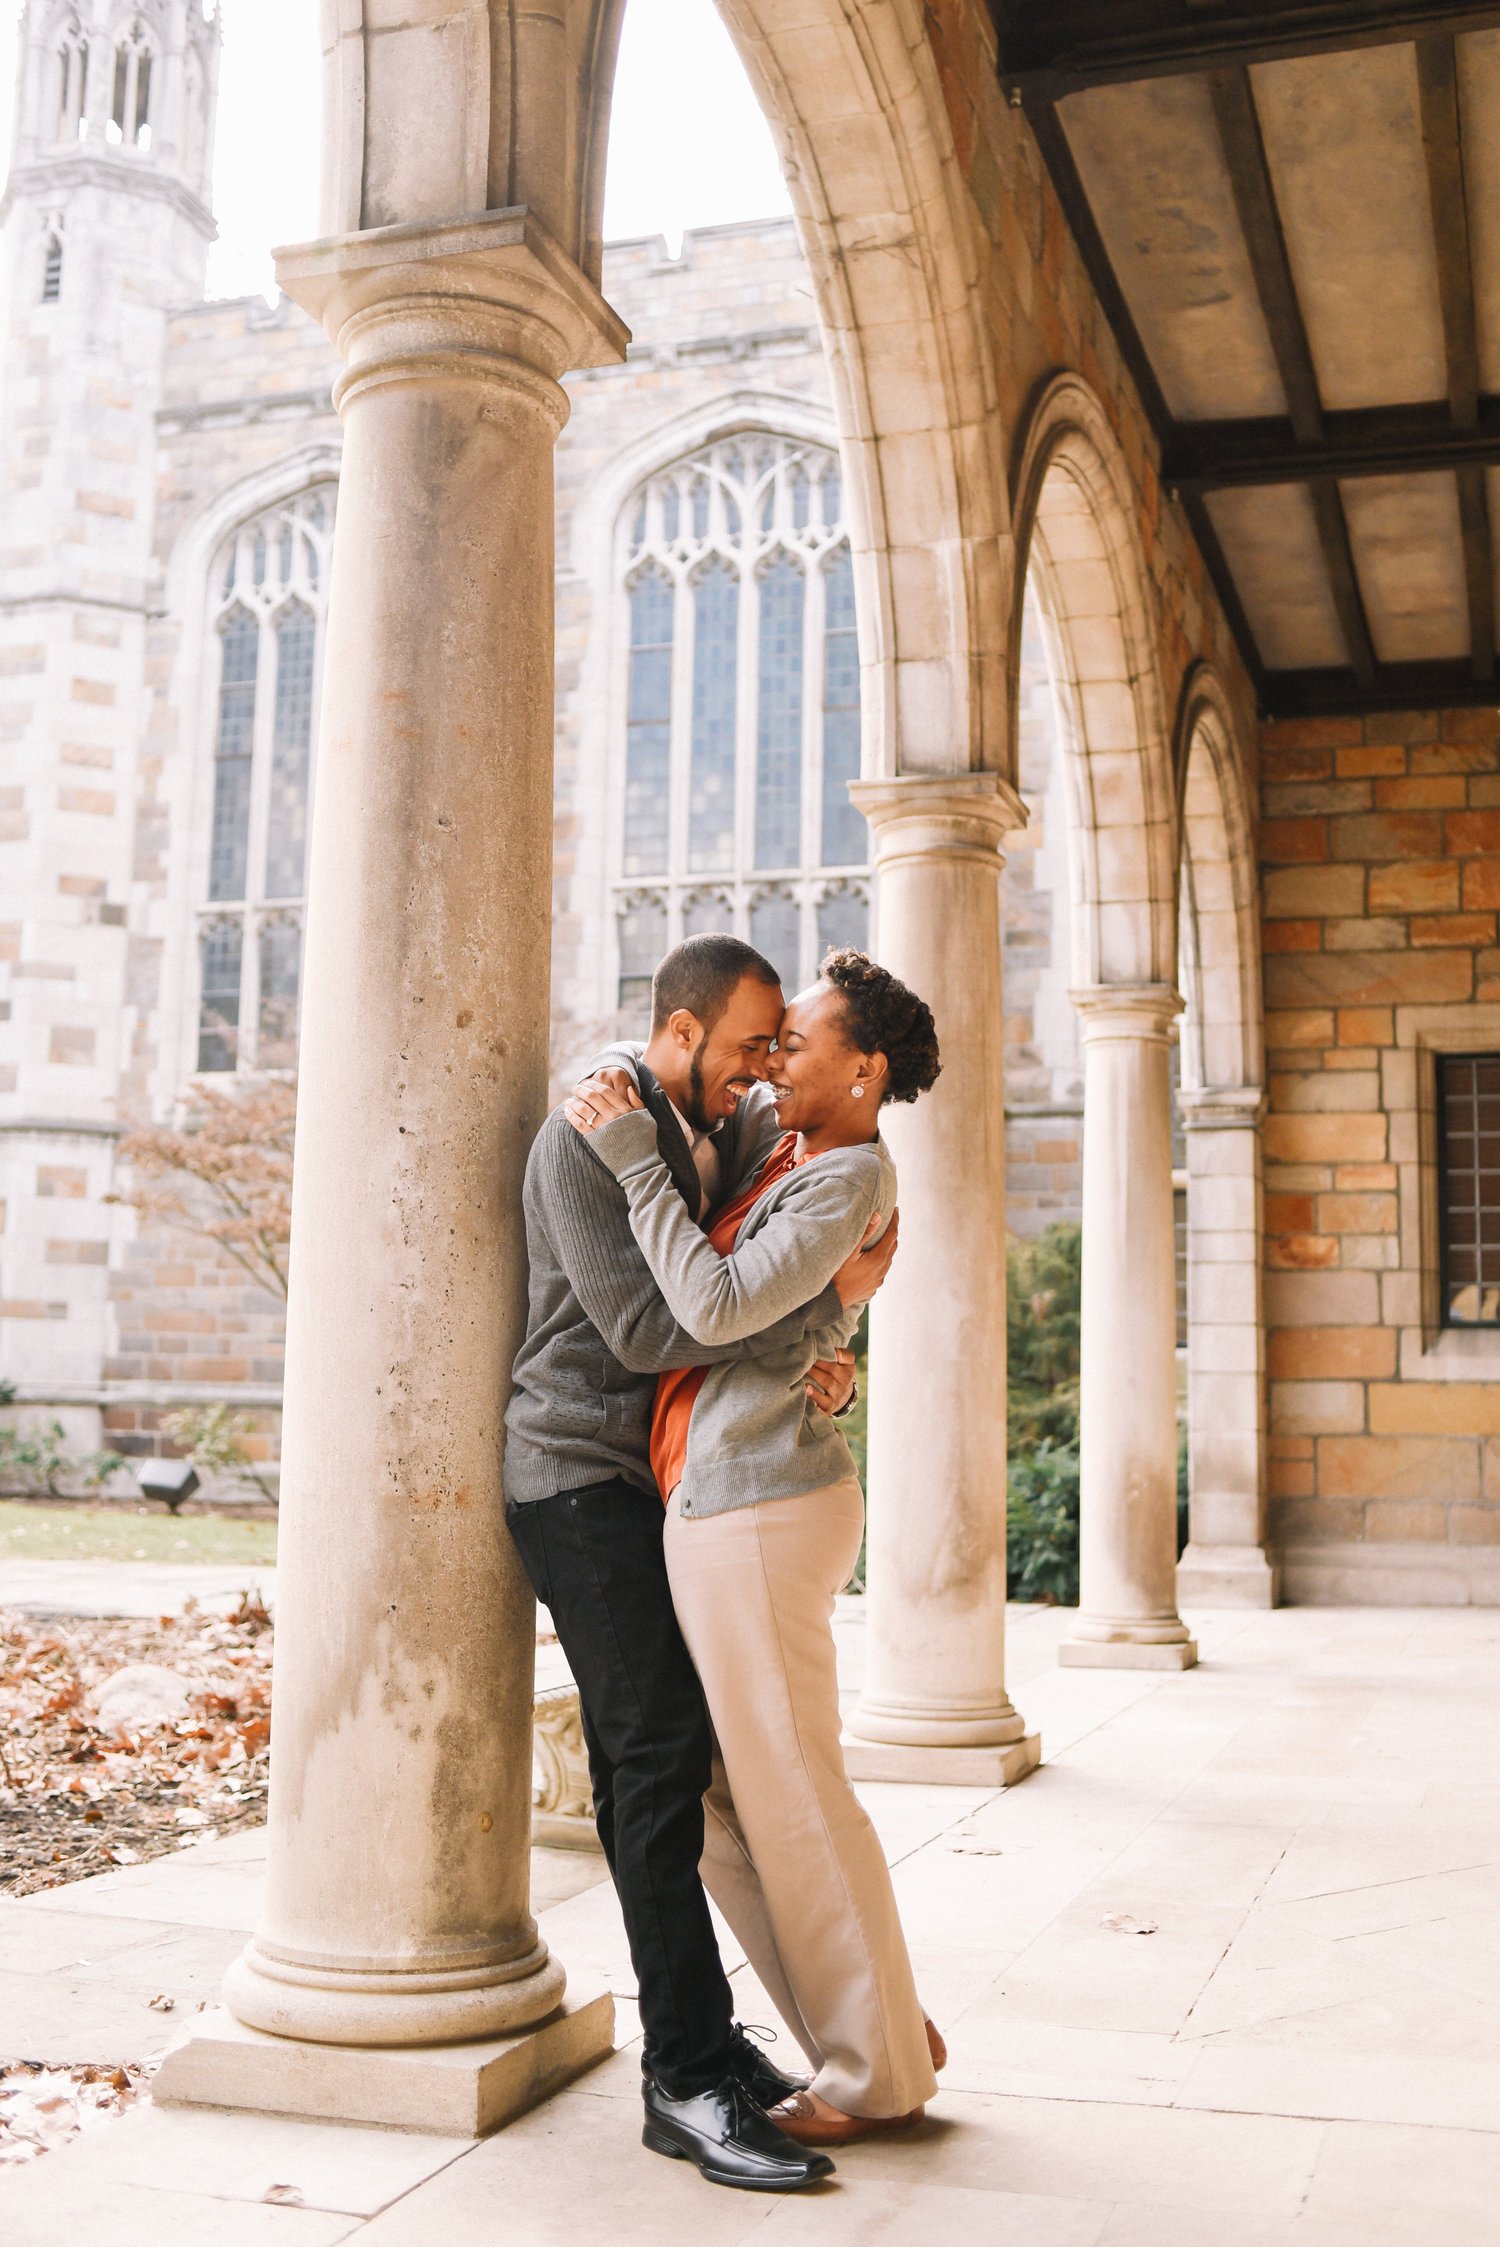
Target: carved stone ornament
[(562, 1800)]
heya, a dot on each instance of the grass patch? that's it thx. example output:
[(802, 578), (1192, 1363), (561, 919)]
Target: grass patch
[(71, 1531)]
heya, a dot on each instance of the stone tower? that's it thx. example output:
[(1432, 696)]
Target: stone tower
[(106, 228)]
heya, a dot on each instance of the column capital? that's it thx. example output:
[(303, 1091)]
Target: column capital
[(939, 815), (1221, 1107), (1127, 1010), (461, 296)]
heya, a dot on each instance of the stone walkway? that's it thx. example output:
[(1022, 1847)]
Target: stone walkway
[(1304, 2053), (132, 1587)]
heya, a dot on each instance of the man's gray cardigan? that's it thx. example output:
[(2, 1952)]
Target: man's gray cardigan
[(753, 1434), (597, 1329)]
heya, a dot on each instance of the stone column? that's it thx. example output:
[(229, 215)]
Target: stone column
[(397, 1913), (1127, 1615), (1225, 1564), (934, 1704)]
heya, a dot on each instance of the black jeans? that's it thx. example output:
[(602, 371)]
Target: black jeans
[(595, 1559)]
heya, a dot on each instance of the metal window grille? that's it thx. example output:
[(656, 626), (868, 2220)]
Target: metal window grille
[(1468, 1111)]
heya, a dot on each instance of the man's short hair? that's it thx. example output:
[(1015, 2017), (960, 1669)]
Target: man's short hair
[(702, 974)]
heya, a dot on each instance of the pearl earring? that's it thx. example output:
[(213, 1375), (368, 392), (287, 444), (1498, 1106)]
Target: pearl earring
[(856, 1092)]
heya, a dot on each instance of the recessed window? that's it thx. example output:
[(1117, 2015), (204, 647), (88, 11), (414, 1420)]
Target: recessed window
[(52, 270), (268, 600), (72, 80), (130, 107), (1468, 1105), (741, 713)]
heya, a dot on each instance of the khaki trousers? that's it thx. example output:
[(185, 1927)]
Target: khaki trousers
[(790, 1857)]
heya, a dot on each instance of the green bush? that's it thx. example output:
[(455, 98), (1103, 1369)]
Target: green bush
[(38, 1460), (1042, 1526), (1043, 1307)]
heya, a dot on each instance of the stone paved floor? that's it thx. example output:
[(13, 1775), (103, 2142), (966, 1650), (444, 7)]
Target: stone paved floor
[(1306, 2053)]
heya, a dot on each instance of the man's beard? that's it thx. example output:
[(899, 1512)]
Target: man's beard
[(695, 1106)]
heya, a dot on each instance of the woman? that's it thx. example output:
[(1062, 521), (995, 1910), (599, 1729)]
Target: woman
[(764, 1522)]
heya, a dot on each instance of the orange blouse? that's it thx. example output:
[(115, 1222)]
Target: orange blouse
[(676, 1392)]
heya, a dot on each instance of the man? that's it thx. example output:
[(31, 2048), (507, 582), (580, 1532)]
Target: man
[(586, 1515)]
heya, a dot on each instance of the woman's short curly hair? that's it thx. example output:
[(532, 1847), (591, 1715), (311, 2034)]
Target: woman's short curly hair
[(883, 1016)]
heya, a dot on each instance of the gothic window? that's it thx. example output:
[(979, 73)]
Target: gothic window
[(267, 617), (843, 831), (741, 713), (130, 106), (52, 269), (72, 76), (643, 939), (1468, 1141)]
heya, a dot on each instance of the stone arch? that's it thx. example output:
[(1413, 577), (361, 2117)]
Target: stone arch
[(1075, 527), (1219, 910), (851, 92)]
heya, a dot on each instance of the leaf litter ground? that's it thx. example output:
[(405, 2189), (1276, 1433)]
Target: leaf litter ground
[(79, 1797)]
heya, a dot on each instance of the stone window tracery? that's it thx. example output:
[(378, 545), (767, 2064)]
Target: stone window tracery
[(72, 80), (741, 710), (268, 607), (130, 105)]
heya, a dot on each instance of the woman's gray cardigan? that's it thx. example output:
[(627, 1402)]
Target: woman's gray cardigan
[(754, 1433)]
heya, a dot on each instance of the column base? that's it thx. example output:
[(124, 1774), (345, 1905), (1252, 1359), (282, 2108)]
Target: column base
[(327, 2005), (453, 2090), (916, 1765), (1227, 1576), (1127, 1654)]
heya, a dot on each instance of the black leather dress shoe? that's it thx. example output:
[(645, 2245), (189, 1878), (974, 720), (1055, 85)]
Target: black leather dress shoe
[(755, 2073), (724, 2132)]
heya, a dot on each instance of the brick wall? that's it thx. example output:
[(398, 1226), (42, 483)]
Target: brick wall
[(1380, 845)]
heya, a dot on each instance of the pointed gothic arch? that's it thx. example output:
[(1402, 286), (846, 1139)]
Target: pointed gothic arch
[(1076, 536)]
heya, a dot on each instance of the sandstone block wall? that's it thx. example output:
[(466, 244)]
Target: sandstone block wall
[(1380, 844)]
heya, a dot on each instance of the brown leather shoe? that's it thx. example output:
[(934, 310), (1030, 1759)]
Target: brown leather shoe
[(813, 2122), (936, 2046)]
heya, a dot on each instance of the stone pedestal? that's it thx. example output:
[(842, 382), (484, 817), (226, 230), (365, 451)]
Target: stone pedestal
[(1225, 1564), (934, 1704), (1128, 1387), (453, 2090), (397, 1910)]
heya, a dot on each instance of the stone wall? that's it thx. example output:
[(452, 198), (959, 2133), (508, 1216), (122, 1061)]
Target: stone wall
[(1379, 843)]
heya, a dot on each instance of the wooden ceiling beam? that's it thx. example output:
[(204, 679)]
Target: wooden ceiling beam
[(1442, 144), (1395, 686), (1221, 576), (1052, 48), (1437, 78), (1260, 222), (1051, 139), (1375, 441)]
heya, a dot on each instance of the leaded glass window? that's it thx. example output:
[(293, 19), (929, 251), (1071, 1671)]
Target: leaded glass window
[(716, 613), (1468, 1087), (649, 723), (266, 643), (843, 838), (643, 939), (220, 945), (741, 709)]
